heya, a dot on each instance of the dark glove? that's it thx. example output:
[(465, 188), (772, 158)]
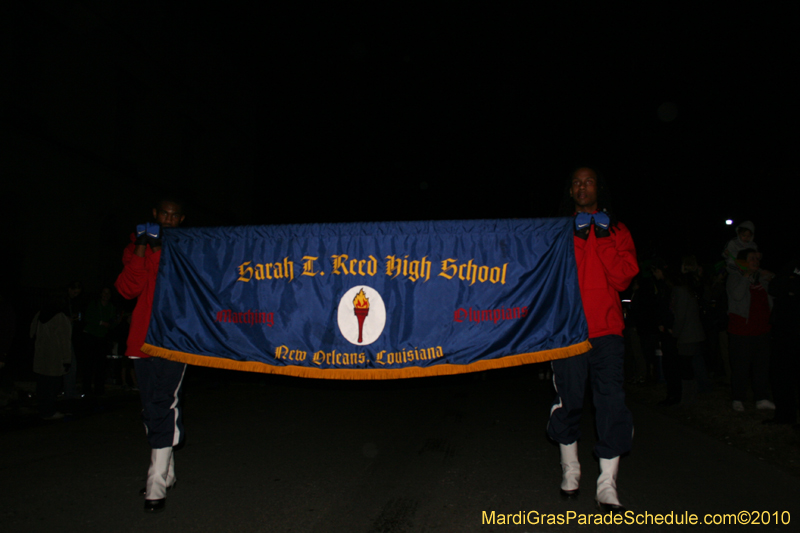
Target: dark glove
[(153, 234), (602, 225), (582, 223), (141, 235)]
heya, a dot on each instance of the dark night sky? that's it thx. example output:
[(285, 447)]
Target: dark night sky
[(412, 113)]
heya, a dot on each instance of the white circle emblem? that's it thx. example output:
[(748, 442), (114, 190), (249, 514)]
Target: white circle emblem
[(362, 315)]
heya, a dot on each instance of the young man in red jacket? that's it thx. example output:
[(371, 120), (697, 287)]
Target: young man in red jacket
[(606, 261), (160, 380)]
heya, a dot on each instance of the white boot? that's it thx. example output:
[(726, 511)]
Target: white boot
[(156, 486), (570, 470), (607, 500), (171, 479)]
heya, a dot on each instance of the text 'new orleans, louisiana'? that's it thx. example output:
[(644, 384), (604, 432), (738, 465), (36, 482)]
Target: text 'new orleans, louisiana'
[(334, 359)]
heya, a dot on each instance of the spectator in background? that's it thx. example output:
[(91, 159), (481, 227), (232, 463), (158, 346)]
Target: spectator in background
[(645, 317), (749, 306), (715, 320), (745, 233), (52, 329), (8, 326), (127, 376), (687, 328), (670, 360), (75, 313), (641, 329), (785, 370), (100, 315)]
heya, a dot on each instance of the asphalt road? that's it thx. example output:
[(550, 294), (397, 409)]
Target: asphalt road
[(269, 453)]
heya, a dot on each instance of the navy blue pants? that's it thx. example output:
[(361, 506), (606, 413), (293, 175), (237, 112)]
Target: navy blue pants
[(160, 386), (749, 358), (604, 366)]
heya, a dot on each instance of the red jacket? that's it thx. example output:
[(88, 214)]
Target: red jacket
[(138, 280), (605, 267)]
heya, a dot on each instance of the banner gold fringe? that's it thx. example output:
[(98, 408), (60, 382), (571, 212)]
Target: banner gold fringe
[(371, 373)]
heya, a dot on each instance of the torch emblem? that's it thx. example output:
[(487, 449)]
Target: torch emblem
[(361, 310), (361, 301)]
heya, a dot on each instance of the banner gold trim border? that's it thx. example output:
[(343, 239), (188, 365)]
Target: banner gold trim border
[(371, 373)]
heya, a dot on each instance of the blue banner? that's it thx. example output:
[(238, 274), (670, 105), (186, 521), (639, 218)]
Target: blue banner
[(369, 300)]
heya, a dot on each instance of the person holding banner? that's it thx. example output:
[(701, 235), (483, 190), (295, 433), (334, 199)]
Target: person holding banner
[(160, 380), (606, 261)]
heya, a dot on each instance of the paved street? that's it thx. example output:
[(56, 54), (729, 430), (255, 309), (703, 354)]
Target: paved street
[(268, 453)]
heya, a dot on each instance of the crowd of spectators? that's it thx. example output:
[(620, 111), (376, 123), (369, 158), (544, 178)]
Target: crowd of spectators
[(70, 349), (733, 323)]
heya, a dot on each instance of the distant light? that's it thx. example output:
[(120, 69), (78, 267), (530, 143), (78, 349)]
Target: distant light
[(729, 222)]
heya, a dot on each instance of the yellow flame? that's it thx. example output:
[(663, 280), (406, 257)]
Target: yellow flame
[(361, 301)]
